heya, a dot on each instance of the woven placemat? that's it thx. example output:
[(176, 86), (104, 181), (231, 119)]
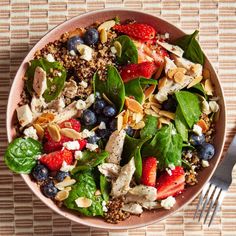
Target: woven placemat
[(23, 22)]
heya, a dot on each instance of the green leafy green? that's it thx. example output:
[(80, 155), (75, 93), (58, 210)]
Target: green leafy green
[(198, 88), (85, 187), (133, 88), (147, 81), (150, 127), (55, 84), (191, 47), (21, 155), (113, 87), (104, 187), (117, 19), (89, 160), (190, 106), (180, 124), (129, 52), (166, 145)]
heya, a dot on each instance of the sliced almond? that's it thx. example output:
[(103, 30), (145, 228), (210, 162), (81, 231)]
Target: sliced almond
[(179, 77), (159, 124), (151, 112), (107, 25), (171, 73), (139, 125), (152, 99), (103, 36), (107, 99), (118, 48), (68, 188), (133, 105), (65, 183), (119, 123), (196, 68), (208, 87), (54, 132), (97, 192), (70, 133), (126, 117), (155, 104), (39, 131), (149, 91), (83, 202), (68, 125), (164, 120), (167, 114), (162, 83), (206, 73), (155, 109), (62, 195), (159, 71), (76, 32), (195, 81), (45, 118), (138, 117)]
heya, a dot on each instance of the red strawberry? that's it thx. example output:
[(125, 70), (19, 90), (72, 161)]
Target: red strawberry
[(170, 185), (132, 71), (149, 171), (71, 123), (82, 143), (54, 160), (137, 31)]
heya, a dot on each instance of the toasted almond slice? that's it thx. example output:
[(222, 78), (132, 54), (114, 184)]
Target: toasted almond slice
[(103, 36), (179, 77), (107, 99), (133, 105), (162, 83), (83, 202), (155, 104), (39, 130), (171, 73), (76, 32), (164, 120), (139, 125), (97, 192), (159, 124), (68, 125), (138, 117), (65, 183), (208, 87), (45, 118), (155, 109), (68, 188), (206, 74), (54, 132), (119, 123), (70, 133), (195, 81), (126, 117), (159, 71), (167, 114), (149, 91), (151, 112), (62, 195), (195, 68), (152, 99), (107, 25), (118, 48)]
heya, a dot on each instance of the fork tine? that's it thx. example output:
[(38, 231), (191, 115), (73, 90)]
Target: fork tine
[(211, 189), (215, 196), (204, 191), (218, 204)]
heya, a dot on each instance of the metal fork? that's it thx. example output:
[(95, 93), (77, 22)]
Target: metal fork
[(214, 191)]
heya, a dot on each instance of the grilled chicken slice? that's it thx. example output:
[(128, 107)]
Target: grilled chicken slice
[(133, 208), (110, 170), (151, 205)]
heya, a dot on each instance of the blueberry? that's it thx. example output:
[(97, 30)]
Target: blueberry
[(88, 117), (73, 42), (61, 175), (196, 140), (206, 151), (109, 111), (170, 104), (40, 172), (93, 139), (49, 190), (113, 125), (91, 36), (129, 131), (99, 105), (102, 118), (103, 133)]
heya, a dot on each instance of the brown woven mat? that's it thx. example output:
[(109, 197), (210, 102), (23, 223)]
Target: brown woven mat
[(23, 22)]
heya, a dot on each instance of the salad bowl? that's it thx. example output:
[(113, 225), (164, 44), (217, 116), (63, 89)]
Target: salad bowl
[(162, 26)]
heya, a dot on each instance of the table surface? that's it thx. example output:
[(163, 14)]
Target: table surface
[(24, 22)]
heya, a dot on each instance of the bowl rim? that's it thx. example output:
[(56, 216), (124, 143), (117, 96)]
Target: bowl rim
[(82, 221)]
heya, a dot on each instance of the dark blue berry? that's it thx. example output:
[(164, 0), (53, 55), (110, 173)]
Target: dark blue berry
[(102, 118), (103, 133), (49, 190), (89, 117), (93, 139), (73, 42), (113, 125), (206, 151), (196, 140), (109, 111), (40, 173), (170, 104), (129, 131), (99, 105), (91, 36), (61, 175)]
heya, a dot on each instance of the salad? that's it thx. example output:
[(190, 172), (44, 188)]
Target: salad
[(115, 119)]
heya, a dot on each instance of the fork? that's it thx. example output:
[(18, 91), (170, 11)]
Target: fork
[(215, 190)]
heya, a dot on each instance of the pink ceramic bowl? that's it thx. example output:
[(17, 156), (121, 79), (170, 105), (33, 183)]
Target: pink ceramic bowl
[(162, 26)]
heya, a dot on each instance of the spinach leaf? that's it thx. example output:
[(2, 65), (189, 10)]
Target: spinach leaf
[(180, 124), (190, 106), (150, 127), (21, 155), (191, 47), (166, 145), (54, 84), (85, 187), (113, 87), (89, 160), (104, 187), (129, 52), (147, 81), (133, 88), (198, 88)]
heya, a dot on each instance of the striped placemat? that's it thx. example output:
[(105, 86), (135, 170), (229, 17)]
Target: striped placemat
[(23, 22)]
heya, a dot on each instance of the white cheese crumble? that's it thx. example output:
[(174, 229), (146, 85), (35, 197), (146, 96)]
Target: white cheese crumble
[(84, 84), (90, 100), (214, 106), (205, 163), (171, 166), (113, 50), (72, 53), (86, 52), (197, 130), (91, 147), (24, 115), (168, 171), (168, 203), (50, 57), (104, 208), (80, 105), (31, 133), (72, 145), (78, 155), (102, 125), (86, 133), (205, 107), (66, 168)]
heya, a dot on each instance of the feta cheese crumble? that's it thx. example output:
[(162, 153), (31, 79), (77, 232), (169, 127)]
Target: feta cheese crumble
[(86, 133), (168, 203), (104, 208), (205, 163), (72, 145), (78, 155), (50, 57), (31, 133), (80, 105), (102, 125), (72, 53), (91, 147), (84, 84), (197, 130), (66, 168)]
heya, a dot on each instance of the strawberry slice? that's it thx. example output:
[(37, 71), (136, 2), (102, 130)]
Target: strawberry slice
[(133, 71), (71, 123), (137, 31), (149, 171), (171, 185), (54, 160)]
